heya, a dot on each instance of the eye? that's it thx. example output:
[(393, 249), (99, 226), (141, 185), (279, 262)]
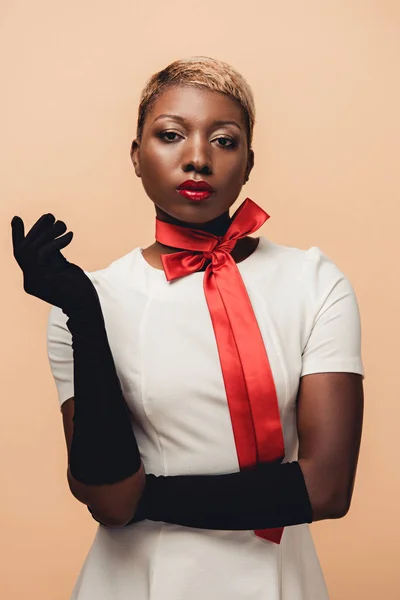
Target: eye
[(227, 142), (163, 135)]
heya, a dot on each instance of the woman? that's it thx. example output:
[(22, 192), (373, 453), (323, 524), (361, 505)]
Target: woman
[(211, 383)]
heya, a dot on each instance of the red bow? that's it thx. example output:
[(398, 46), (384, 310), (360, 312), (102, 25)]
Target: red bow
[(246, 371)]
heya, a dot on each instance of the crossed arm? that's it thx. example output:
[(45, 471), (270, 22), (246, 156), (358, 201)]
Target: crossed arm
[(329, 424), (317, 486)]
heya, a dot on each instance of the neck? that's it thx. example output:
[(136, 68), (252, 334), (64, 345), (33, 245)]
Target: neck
[(218, 226)]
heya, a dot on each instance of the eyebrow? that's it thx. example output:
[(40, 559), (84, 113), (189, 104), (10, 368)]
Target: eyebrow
[(183, 120)]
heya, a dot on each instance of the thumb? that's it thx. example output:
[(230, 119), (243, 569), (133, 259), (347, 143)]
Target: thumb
[(57, 244), (18, 232)]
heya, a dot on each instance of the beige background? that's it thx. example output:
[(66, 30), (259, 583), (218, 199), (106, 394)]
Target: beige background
[(326, 80)]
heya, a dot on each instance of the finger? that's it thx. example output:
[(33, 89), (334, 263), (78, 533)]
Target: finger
[(42, 224), (17, 232), (57, 244), (48, 235)]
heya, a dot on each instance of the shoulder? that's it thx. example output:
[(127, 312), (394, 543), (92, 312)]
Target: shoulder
[(106, 280), (305, 277), (297, 264), (115, 270), (291, 255)]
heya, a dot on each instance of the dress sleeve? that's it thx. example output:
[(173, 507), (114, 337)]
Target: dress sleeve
[(60, 353), (334, 336)]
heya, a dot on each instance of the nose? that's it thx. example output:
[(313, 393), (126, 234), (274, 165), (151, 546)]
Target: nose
[(197, 155)]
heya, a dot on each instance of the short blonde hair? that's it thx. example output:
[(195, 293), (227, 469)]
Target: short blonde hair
[(202, 72)]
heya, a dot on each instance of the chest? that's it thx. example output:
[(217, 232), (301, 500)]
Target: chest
[(167, 359)]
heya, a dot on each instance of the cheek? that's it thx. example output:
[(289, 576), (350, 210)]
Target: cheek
[(157, 159), (233, 169)]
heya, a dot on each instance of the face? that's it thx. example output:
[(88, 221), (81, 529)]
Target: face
[(198, 135)]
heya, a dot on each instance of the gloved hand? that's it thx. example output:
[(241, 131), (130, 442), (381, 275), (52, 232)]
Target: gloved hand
[(48, 275), (103, 446)]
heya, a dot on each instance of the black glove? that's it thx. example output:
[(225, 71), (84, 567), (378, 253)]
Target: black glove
[(263, 497), (103, 448), (47, 273)]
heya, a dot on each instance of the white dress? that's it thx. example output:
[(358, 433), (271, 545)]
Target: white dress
[(165, 353)]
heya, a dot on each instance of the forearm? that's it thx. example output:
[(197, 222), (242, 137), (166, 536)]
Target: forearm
[(268, 496), (104, 459), (111, 504)]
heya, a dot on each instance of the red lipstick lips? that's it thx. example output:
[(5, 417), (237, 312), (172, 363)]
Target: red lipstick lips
[(195, 190)]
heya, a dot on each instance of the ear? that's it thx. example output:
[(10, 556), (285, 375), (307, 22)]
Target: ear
[(135, 157), (250, 165)]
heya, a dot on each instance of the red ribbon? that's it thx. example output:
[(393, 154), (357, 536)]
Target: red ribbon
[(246, 371)]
